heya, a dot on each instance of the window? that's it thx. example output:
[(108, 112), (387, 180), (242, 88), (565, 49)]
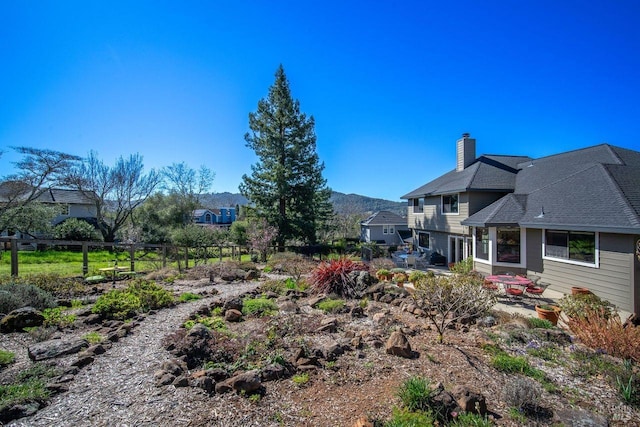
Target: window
[(450, 204), (385, 229), (423, 240), (579, 246), (482, 243), (418, 205), (508, 245)]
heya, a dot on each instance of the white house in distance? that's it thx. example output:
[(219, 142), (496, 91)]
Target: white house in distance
[(386, 228), (572, 218)]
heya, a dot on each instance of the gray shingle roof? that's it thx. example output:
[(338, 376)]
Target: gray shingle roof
[(592, 189), (384, 218), (59, 195), (487, 173)]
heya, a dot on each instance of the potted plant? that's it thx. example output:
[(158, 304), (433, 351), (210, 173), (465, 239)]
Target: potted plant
[(579, 290), (384, 275), (548, 312), (399, 279)]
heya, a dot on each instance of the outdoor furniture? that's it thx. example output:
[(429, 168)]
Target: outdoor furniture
[(438, 259), (536, 290), (422, 262), (400, 260), (411, 260)]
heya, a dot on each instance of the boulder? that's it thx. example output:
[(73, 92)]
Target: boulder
[(398, 345), (232, 315), (54, 348), (21, 318), (246, 382), (469, 400)]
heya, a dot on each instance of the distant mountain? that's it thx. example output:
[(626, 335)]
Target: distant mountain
[(342, 203)]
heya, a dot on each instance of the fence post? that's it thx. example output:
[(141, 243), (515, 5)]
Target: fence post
[(85, 258), (132, 254), (14, 258), (164, 255), (186, 258)]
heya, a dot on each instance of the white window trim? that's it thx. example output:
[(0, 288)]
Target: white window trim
[(385, 229), (473, 250), (442, 204), (493, 244), (571, 261)]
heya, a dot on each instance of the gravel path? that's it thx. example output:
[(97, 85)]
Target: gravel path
[(118, 388)]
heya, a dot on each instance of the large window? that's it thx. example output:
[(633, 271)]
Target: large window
[(418, 205), (482, 243), (423, 240), (579, 246), (450, 204), (388, 229), (508, 245)]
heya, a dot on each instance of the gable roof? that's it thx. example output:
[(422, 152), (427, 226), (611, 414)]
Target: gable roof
[(488, 172), (384, 218), (593, 189), (61, 195)]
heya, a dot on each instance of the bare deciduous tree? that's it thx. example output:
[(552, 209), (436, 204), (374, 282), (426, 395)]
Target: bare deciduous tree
[(449, 299), (116, 191)]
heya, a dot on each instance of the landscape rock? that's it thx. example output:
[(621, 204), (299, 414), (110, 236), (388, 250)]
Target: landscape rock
[(17, 320), (398, 345), (576, 417), (246, 382), (469, 400), (232, 315), (54, 348)]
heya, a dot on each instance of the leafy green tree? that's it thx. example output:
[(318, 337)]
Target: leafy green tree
[(286, 185), (238, 232), (75, 229), (30, 219)]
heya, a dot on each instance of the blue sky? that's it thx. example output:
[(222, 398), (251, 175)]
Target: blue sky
[(391, 85)]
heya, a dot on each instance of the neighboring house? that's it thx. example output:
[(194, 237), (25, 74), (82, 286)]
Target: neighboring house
[(222, 216), (573, 219), (71, 203), (384, 227)]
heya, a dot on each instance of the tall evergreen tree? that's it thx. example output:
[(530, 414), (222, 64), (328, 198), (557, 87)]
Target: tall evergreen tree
[(286, 184)]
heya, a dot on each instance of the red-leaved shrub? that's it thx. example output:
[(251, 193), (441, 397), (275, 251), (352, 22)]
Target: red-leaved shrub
[(333, 277), (602, 331)]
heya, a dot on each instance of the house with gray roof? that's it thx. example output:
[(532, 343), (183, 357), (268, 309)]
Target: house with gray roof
[(384, 227), (573, 218), (222, 216)]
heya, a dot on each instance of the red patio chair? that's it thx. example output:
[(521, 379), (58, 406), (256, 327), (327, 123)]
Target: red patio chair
[(535, 291), (514, 292)]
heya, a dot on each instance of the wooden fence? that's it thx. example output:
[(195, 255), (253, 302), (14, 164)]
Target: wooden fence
[(167, 252)]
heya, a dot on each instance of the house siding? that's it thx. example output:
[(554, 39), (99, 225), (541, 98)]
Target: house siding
[(613, 280), (432, 218)]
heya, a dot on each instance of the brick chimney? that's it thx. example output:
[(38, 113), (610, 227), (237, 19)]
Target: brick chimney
[(465, 151)]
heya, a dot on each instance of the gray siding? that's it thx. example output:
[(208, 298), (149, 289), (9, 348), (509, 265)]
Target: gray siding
[(613, 280), (480, 200), (432, 218)]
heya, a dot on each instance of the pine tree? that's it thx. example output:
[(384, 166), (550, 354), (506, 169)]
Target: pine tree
[(286, 185)]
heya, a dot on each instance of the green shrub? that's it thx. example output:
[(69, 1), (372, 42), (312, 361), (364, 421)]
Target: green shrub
[(259, 307), (417, 275), (152, 296), (140, 296), (56, 317), (213, 322), (415, 394), (581, 305), (18, 295), (300, 379), (535, 322), (331, 305), (30, 386), (93, 337), (188, 296), (117, 304), (469, 419), (6, 357), (405, 418)]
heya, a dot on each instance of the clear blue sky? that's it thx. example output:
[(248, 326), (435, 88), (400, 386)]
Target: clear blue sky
[(391, 85)]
